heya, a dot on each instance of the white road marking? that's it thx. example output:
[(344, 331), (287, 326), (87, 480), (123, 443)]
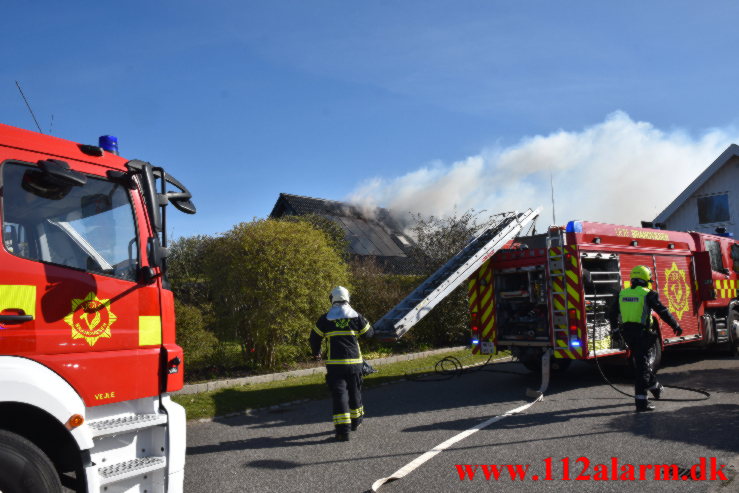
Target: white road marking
[(414, 464)]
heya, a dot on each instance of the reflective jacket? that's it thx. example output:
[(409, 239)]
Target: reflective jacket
[(341, 326), (635, 305)]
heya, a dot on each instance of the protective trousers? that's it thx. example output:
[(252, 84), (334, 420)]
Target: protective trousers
[(640, 340), (345, 382)]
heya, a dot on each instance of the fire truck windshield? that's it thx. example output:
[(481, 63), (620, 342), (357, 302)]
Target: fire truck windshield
[(89, 227)]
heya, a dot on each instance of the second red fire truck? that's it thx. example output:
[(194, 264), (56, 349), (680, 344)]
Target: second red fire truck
[(552, 292)]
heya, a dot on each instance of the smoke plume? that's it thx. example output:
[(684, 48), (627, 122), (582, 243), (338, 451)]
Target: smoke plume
[(619, 171)]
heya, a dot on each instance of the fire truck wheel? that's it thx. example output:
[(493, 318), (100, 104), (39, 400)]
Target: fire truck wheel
[(733, 333), (25, 467), (655, 359), (655, 355)]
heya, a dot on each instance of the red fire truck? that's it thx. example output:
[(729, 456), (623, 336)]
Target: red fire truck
[(551, 293), (87, 329)]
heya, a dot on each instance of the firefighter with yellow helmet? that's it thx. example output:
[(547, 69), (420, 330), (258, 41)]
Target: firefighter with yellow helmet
[(341, 326), (634, 305)]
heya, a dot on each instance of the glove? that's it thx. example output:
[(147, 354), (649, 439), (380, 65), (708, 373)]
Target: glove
[(678, 331)]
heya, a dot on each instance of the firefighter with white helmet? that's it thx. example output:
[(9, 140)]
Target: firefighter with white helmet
[(341, 326), (634, 305)]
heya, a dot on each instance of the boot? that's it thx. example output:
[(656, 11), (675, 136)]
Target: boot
[(356, 423), (342, 437), (657, 390), (643, 405)]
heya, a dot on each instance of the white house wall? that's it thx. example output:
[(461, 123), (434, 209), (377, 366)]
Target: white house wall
[(725, 180)]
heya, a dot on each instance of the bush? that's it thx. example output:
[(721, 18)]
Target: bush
[(198, 344), (270, 280)]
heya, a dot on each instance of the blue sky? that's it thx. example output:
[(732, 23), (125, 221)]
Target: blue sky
[(391, 103)]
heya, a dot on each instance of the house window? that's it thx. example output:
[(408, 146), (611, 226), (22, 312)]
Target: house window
[(713, 209)]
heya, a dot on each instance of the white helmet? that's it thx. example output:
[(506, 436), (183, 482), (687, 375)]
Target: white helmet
[(339, 293)]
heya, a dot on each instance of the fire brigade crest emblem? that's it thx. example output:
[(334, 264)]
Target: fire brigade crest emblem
[(90, 318), (676, 291)]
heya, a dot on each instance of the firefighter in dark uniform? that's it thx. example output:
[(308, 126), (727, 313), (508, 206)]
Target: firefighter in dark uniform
[(342, 326), (635, 304)]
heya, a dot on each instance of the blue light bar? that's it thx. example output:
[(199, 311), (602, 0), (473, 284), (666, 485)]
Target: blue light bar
[(574, 227), (108, 143), (575, 343), (475, 341)]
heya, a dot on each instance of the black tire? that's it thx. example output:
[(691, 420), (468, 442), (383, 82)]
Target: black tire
[(733, 344), (655, 354), (655, 358), (25, 468)]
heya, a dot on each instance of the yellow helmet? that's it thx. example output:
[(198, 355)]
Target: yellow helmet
[(641, 272)]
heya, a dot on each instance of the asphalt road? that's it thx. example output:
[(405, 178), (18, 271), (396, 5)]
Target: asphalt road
[(292, 449)]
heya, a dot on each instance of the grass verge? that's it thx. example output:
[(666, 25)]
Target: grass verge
[(234, 399)]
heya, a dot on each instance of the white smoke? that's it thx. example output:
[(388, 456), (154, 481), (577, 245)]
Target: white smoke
[(618, 171)]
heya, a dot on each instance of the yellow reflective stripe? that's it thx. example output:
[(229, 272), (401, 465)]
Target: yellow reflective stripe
[(343, 361), (318, 331), (558, 305), (18, 297), (357, 413), (341, 333), (365, 329), (486, 297), (150, 330)]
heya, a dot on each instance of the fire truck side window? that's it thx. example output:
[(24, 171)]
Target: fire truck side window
[(735, 256), (714, 250), (89, 227)]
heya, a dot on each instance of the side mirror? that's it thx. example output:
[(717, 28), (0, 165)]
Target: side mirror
[(155, 252), (181, 200)]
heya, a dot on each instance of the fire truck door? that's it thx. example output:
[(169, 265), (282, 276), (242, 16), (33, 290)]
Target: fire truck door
[(71, 257), (674, 285)]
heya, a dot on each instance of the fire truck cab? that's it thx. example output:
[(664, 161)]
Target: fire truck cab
[(553, 291), (87, 330)]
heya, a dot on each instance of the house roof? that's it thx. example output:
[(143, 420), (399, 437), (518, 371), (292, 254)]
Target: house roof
[(373, 233), (728, 154)]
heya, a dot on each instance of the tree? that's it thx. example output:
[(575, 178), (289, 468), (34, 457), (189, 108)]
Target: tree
[(270, 280), (197, 343), (186, 269), (436, 241)]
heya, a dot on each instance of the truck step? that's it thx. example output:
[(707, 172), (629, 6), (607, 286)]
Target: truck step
[(606, 352), (131, 468), (123, 424)]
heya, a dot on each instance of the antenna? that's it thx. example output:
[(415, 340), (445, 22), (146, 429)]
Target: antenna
[(29, 107), (551, 184)]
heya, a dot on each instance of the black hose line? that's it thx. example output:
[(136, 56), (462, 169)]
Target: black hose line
[(451, 367), (706, 395)]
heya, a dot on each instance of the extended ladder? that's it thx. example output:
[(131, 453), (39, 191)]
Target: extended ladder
[(441, 283)]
